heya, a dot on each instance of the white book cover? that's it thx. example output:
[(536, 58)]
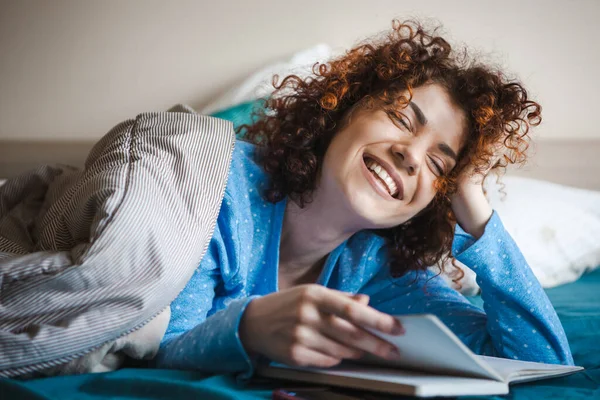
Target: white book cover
[(432, 362)]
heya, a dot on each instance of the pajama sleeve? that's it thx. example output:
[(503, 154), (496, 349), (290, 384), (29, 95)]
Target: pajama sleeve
[(517, 321), (197, 340)]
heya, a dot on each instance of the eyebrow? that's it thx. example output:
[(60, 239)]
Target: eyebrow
[(447, 150), (420, 116)]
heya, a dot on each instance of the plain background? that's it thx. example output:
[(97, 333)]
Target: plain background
[(72, 69)]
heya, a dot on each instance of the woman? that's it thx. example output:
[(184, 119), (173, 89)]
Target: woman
[(357, 180)]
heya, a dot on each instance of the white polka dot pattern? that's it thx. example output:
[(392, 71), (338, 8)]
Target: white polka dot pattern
[(517, 320)]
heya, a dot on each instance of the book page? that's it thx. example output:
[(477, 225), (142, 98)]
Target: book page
[(392, 380), (429, 345), (521, 371)]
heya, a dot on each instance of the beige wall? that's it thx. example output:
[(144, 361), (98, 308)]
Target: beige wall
[(71, 69)]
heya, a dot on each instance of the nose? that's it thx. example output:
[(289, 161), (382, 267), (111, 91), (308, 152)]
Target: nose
[(408, 159)]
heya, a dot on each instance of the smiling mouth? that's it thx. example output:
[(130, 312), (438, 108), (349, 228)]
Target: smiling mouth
[(382, 177)]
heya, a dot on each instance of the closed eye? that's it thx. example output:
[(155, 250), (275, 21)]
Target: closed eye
[(407, 125), (400, 118), (440, 169)]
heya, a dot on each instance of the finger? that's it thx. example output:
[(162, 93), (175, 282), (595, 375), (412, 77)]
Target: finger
[(361, 298), (302, 356), (315, 340), (355, 337), (357, 313)]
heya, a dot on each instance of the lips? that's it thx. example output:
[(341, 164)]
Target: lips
[(393, 174)]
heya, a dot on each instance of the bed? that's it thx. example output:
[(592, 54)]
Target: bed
[(577, 303)]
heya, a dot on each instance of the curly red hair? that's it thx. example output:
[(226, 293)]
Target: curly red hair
[(299, 120)]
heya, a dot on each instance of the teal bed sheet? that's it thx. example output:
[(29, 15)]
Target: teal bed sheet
[(577, 304)]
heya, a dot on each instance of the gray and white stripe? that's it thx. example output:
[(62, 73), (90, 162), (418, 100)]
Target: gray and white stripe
[(87, 256)]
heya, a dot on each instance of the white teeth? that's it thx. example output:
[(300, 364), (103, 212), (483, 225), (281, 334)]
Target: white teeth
[(389, 181), (382, 173)]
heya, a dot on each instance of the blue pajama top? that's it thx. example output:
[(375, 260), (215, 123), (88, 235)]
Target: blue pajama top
[(517, 320)]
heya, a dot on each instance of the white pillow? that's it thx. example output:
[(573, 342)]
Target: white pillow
[(260, 85), (557, 228)]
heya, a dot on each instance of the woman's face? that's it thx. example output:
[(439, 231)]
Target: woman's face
[(383, 168)]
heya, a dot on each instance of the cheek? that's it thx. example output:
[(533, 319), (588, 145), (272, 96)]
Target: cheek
[(341, 158), (333, 169), (425, 193)]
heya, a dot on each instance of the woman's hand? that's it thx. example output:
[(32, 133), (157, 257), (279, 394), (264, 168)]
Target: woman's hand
[(471, 208), (311, 325)]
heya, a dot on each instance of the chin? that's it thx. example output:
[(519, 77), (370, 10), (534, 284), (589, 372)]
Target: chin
[(371, 213)]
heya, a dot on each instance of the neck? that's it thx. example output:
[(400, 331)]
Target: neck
[(309, 234)]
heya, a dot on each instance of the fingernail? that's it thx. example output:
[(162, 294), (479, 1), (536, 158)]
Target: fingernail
[(363, 298), (398, 330), (394, 352)]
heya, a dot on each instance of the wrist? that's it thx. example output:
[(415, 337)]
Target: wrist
[(471, 209), (246, 333)]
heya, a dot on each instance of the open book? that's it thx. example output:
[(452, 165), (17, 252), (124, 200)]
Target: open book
[(432, 362)]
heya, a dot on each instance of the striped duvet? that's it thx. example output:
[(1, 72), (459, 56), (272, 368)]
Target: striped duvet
[(91, 258)]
